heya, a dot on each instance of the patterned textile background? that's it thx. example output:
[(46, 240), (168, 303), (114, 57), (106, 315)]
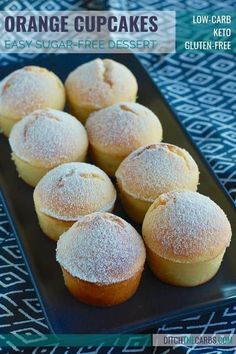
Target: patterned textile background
[(201, 88)]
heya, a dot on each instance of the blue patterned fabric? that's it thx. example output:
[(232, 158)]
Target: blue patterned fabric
[(201, 90)]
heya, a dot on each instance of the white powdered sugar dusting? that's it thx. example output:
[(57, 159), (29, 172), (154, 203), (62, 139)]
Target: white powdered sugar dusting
[(155, 169), (101, 248), (48, 137), (29, 89), (74, 189), (100, 81), (123, 127), (187, 225)]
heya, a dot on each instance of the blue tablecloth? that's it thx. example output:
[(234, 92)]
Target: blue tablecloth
[(201, 89)]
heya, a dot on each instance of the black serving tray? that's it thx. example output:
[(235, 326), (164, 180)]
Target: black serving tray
[(154, 300)]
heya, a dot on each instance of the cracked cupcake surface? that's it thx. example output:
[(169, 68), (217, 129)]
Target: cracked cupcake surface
[(114, 132), (98, 84), (152, 170), (69, 191), (186, 235), (45, 139), (26, 90), (102, 258)]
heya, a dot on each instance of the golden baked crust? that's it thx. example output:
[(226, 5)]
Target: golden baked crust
[(105, 160), (101, 295), (97, 84), (134, 208), (52, 227), (74, 189), (183, 274), (28, 89), (122, 128), (186, 227), (101, 248), (155, 169), (29, 173), (48, 137), (6, 125)]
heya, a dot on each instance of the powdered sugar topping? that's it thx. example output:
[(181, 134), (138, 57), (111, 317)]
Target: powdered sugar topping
[(123, 127), (102, 82), (74, 189), (28, 89), (155, 169), (101, 248), (49, 137), (186, 226)]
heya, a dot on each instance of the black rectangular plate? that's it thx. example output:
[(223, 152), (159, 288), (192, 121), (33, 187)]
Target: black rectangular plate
[(154, 300)]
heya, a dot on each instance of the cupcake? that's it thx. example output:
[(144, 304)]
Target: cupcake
[(26, 90), (98, 84), (114, 132), (186, 235), (69, 191), (45, 139), (152, 170), (102, 259)]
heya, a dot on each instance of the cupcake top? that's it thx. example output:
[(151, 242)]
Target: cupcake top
[(123, 127), (155, 169), (48, 138), (28, 89), (101, 248), (100, 83), (186, 227), (74, 189)]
